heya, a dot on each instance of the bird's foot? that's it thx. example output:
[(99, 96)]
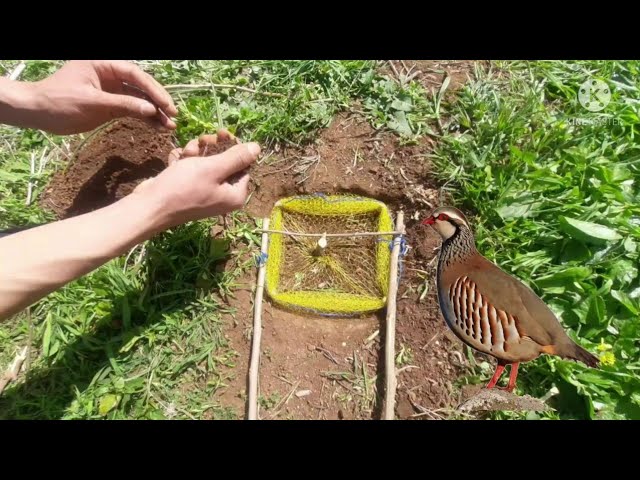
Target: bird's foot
[(506, 389)]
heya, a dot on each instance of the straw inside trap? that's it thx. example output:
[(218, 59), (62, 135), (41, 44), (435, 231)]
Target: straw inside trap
[(329, 275)]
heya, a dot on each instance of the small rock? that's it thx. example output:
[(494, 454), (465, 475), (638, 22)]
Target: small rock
[(216, 230), (491, 400), (303, 393)]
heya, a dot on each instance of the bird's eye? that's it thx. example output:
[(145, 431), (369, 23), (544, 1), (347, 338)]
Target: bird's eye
[(443, 216)]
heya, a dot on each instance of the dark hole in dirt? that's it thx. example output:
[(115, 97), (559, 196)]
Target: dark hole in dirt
[(108, 167), (116, 179)]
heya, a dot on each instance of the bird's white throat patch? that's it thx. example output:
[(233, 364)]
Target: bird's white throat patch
[(445, 229)]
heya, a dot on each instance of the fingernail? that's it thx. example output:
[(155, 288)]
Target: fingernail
[(147, 109), (254, 148)]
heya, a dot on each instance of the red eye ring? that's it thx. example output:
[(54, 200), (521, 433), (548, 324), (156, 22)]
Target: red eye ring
[(443, 216)]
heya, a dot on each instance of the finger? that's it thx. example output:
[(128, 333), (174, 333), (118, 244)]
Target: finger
[(155, 123), (224, 135), (162, 119), (175, 155), (205, 140), (166, 121), (192, 149), (241, 190), (236, 159), (126, 106), (206, 144), (131, 73), (243, 183), (236, 195)]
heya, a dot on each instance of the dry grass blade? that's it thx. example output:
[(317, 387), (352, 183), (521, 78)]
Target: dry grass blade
[(327, 354), (284, 401)]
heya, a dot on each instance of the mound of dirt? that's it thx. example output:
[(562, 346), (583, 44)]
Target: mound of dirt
[(333, 368), (492, 400), (111, 163)]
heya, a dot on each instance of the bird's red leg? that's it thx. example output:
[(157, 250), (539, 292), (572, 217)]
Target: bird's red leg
[(512, 377), (496, 375)]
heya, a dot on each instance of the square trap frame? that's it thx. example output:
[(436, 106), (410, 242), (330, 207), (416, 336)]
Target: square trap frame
[(334, 255), (335, 258)]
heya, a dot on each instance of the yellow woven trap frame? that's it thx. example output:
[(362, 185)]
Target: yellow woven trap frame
[(350, 276)]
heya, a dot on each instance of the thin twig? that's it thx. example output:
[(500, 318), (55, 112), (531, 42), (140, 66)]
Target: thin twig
[(279, 171), (126, 260), (27, 361), (371, 337), (209, 86), (284, 380), (430, 340), (257, 331), (32, 169), (395, 71), (348, 234), (327, 354), (11, 374), (407, 367), (389, 350), (55, 145), (43, 161), (283, 402), (15, 74)]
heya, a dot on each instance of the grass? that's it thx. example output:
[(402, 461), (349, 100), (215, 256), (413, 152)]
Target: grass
[(357, 387), (141, 337), (553, 201), (555, 192)]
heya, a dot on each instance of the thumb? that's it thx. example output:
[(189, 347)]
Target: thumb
[(127, 106), (236, 159)]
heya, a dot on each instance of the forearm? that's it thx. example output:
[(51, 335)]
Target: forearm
[(18, 103), (35, 262)]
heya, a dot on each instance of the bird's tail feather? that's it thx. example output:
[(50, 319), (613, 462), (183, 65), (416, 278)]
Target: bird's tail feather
[(573, 351), (585, 357)]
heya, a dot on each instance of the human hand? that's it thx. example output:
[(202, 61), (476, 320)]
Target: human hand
[(193, 187), (83, 95)]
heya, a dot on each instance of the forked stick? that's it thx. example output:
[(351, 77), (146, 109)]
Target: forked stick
[(13, 370), (257, 327), (390, 344)]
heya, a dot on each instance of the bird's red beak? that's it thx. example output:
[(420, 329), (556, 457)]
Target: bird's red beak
[(429, 221)]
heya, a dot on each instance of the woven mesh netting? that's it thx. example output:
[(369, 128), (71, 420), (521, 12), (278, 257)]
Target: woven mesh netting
[(348, 276)]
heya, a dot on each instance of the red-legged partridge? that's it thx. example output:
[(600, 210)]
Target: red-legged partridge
[(490, 310)]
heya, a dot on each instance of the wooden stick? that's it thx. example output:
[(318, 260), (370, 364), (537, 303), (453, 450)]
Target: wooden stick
[(15, 75), (11, 374), (257, 328), (210, 86), (30, 184), (321, 246), (390, 344), (347, 234)]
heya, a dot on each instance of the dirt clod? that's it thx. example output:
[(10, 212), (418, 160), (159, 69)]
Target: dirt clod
[(491, 400)]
